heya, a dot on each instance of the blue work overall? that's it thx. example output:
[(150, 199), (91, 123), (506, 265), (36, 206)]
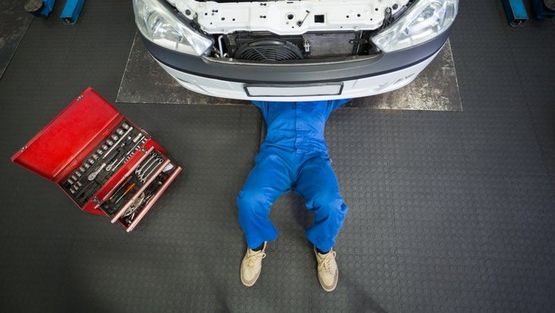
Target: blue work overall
[(294, 155)]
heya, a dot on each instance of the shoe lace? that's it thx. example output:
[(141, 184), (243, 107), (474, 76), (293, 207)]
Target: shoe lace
[(254, 257), (327, 261)]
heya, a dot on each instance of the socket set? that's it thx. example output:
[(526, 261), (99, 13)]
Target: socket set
[(106, 159), (102, 161)]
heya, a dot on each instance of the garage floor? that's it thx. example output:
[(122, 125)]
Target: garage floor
[(450, 211)]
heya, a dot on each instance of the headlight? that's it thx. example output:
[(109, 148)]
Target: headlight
[(158, 24), (425, 20)]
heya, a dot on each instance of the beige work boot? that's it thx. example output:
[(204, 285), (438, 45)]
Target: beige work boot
[(251, 266), (328, 273)]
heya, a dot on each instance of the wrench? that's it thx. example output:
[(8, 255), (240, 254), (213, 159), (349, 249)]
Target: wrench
[(125, 158), (93, 175), (150, 169), (140, 169)]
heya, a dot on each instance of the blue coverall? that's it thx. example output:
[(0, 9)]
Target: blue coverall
[(294, 155)]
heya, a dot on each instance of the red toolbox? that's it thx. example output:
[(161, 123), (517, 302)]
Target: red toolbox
[(102, 161)]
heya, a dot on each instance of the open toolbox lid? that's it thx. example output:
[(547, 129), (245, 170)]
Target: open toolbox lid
[(69, 137)]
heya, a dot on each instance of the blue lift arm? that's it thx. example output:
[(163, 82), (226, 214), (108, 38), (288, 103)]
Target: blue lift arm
[(71, 11), (516, 12)]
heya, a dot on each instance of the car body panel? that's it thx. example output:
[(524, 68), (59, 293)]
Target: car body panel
[(288, 17)]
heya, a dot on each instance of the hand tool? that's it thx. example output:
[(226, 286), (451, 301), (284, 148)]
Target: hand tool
[(74, 188), (143, 175), (87, 191), (113, 162), (140, 172), (149, 192), (140, 139), (117, 143), (130, 212), (127, 190), (114, 158), (93, 175), (119, 155), (109, 206), (113, 168), (113, 151), (144, 163), (122, 185), (150, 169), (126, 157)]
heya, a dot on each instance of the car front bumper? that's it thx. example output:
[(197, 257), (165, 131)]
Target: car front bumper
[(349, 78)]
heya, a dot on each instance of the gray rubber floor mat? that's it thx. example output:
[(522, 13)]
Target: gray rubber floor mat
[(449, 211), (14, 22), (436, 88), (144, 81)]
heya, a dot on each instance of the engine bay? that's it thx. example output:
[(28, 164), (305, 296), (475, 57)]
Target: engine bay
[(285, 31)]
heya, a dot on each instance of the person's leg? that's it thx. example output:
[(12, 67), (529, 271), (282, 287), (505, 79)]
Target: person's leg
[(318, 185), (269, 178)]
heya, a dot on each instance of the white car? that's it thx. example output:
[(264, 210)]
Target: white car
[(287, 50)]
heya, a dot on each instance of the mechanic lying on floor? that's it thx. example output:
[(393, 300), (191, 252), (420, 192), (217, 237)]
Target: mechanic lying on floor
[(294, 156)]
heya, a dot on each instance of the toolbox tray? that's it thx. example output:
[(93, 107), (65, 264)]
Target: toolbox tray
[(64, 145)]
